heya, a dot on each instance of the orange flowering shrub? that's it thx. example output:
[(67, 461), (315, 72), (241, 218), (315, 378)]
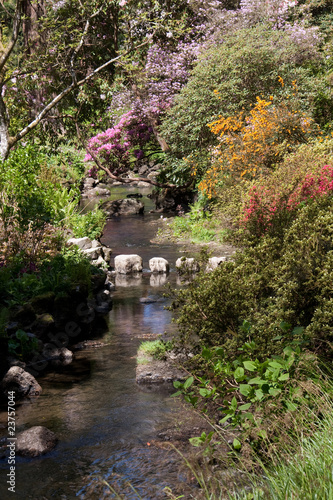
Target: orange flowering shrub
[(253, 143)]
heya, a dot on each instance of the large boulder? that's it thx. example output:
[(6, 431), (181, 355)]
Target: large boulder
[(127, 264), (82, 243), (187, 265), (35, 441), (127, 206), (21, 382), (159, 265)]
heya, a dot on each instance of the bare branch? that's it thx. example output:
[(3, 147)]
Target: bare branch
[(64, 93)]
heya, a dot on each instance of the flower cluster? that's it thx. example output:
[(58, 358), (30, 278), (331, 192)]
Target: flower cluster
[(115, 146), (267, 207)]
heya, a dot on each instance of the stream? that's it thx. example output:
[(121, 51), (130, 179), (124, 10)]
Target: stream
[(104, 421)]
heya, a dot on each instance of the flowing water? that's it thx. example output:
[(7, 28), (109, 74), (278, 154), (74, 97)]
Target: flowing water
[(104, 421)]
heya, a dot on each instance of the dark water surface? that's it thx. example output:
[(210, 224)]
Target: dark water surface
[(103, 420)]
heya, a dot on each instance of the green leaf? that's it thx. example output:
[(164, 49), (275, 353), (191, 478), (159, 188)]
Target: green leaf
[(259, 394), (250, 366), (205, 393), (284, 376), (275, 364), (236, 444), (245, 389), (188, 382), (233, 403), (239, 374), (256, 380), (245, 406), (224, 419), (274, 392), (298, 330)]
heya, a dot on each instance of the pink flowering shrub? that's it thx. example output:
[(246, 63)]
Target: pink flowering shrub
[(119, 145), (270, 208)]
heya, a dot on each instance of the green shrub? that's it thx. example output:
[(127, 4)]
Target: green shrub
[(228, 77), (286, 278)]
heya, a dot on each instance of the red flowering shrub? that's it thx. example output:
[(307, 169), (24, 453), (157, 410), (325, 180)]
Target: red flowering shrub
[(272, 206)]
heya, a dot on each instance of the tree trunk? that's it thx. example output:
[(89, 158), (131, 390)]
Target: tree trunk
[(4, 137)]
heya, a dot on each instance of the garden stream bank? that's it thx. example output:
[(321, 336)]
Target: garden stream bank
[(110, 428)]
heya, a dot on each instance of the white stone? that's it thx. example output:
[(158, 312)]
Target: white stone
[(159, 265), (82, 243), (214, 262), (187, 264), (93, 253), (127, 264)]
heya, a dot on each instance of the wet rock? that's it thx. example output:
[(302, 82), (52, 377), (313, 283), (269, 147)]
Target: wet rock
[(21, 382), (96, 191), (159, 265), (214, 262), (126, 206), (127, 264), (97, 281), (186, 264), (82, 243), (150, 371), (51, 352), (35, 441)]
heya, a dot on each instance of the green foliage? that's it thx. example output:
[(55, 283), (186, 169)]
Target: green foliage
[(90, 224), (304, 474), (155, 348), (22, 345), (248, 63), (68, 269), (277, 279)]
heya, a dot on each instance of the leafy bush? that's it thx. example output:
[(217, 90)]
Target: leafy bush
[(57, 274), (280, 278), (248, 63), (90, 224)]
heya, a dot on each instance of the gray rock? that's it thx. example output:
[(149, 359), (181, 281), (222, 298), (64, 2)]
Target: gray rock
[(214, 262), (126, 206), (82, 243), (96, 191), (21, 382), (51, 352), (107, 252), (159, 265), (35, 441), (127, 264), (100, 262), (93, 253), (186, 264)]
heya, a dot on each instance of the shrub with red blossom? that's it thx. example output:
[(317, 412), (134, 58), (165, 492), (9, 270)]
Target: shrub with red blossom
[(270, 208)]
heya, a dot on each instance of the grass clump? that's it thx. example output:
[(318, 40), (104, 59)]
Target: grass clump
[(155, 349)]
